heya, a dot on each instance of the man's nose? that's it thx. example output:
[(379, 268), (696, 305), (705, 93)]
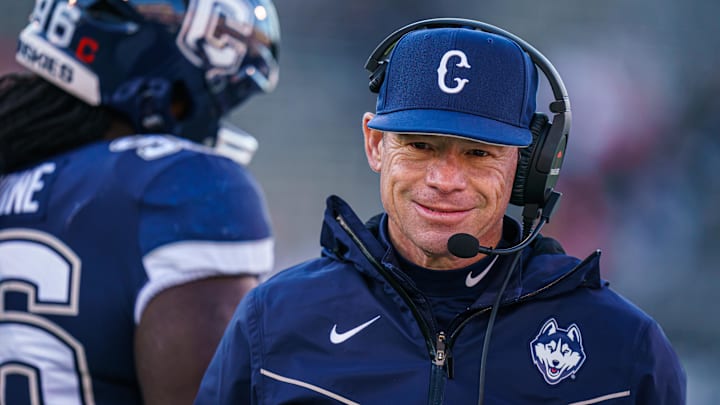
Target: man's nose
[(446, 173)]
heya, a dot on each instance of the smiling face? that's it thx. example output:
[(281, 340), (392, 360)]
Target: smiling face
[(433, 187)]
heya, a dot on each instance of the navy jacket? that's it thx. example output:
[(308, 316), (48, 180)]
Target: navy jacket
[(342, 329)]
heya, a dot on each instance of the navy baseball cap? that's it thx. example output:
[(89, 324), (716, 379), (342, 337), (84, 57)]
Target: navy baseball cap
[(458, 82)]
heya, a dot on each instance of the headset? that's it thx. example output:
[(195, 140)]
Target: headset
[(539, 164)]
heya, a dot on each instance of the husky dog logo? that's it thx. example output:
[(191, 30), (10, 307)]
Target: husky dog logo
[(557, 353)]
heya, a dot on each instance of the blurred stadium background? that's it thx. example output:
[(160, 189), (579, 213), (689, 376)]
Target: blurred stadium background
[(640, 180)]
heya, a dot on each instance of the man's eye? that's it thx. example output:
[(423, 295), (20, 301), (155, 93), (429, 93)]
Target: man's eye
[(420, 145), (478, 152)]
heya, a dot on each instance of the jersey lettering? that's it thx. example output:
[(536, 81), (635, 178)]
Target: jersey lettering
[(17, 191)]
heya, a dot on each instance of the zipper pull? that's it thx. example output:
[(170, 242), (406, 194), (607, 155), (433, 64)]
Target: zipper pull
[(440, 354)]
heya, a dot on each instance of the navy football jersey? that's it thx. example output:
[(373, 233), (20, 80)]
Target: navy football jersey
[(88, 237)]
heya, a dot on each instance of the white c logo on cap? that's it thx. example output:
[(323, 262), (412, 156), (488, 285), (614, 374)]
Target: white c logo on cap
[(442, 71)]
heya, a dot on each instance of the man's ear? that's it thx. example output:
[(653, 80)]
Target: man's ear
[(373, 143)]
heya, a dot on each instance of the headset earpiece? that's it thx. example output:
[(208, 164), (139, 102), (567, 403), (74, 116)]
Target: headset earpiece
[(377, 77), (539, 127), (545, 162)]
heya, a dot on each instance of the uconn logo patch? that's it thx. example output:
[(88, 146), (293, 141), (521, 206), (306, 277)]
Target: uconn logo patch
[(442, 71), (558, 353)]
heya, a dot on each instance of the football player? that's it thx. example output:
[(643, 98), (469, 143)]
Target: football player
[(129, 227)]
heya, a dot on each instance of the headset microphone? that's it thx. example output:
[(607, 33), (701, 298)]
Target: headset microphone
[(465, 246)]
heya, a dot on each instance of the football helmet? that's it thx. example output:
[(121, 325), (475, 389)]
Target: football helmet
[(174, 66)]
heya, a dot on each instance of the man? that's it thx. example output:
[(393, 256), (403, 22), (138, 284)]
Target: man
[(389, 315), (124, 248)]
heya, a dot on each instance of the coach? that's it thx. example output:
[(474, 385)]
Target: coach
[(401, 310)]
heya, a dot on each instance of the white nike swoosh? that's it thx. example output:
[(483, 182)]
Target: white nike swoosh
[(471, 281), (336, 337)]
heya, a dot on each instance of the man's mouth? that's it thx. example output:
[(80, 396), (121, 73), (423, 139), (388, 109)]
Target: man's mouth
[(442, 213), (443, 210)]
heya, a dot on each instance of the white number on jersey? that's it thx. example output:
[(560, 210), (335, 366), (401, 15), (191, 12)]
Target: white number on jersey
[(48, 273)]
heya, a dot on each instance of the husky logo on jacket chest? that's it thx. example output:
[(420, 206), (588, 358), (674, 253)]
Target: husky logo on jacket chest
[(558, 353)]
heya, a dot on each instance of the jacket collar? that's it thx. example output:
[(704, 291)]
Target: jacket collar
[(545, 272)]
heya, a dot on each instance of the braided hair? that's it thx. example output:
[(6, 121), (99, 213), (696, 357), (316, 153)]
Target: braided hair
[(39, 120)]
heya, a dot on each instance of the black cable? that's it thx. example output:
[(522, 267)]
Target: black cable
[(488, 330)]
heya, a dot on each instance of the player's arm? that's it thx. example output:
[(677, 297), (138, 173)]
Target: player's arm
[(205, 238), (229, 377), (179, 332)]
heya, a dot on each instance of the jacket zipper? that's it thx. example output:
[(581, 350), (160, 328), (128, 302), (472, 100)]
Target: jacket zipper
[(438, 354), (436, 391)]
